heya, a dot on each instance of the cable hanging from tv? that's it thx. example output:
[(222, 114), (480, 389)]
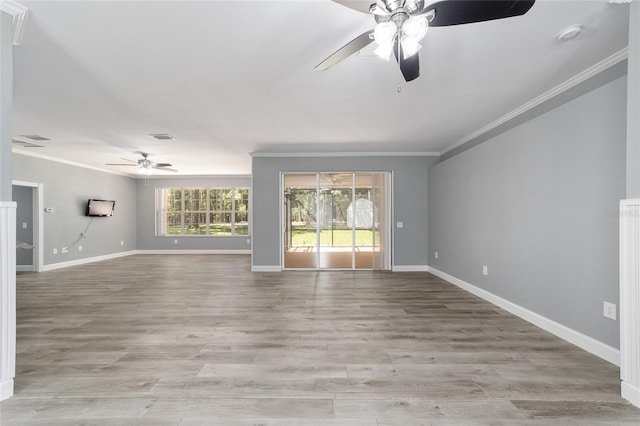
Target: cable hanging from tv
[(83, 234)]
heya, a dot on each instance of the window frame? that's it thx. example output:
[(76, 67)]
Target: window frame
[(162, 211)]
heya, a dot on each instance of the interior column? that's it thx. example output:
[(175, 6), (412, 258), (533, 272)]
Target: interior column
[(7, 215), (630, 225)]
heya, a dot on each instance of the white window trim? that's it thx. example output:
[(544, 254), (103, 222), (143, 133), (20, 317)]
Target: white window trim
[(162, 211)]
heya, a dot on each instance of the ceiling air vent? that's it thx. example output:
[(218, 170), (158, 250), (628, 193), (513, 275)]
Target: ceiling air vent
[(162, 136), (25, 144), (36, 137)]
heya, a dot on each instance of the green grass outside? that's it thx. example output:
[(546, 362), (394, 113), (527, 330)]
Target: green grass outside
[(213, 229)]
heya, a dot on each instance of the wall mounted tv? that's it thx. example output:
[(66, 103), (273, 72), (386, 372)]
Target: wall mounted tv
[(100, 208)]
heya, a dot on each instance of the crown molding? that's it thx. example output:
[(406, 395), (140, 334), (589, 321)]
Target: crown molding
[(601, 66), (67, 162), (19, 14), (151, 177), (342, 154)]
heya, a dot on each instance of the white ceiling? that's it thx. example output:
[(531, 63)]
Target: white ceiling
[(227, 78)]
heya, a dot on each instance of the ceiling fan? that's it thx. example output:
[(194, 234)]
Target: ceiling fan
[(144, 164), (402, 24)]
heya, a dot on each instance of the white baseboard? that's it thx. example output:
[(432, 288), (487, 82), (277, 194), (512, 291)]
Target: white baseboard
[(265, 268), (24, 268), (52, 266), (77, 262), (409, 268), (589, 344), (6, 389), (247, 251), (631, 393)]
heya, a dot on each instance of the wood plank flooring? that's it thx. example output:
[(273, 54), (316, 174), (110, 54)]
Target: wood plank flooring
[(200, 340)]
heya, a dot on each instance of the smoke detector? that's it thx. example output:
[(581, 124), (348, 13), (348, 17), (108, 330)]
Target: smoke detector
[(570, 32)]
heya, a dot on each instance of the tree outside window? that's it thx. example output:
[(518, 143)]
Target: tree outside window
[(204, 211)]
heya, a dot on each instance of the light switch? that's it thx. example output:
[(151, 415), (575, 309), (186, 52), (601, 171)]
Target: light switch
[(399, 225), (24, 225)]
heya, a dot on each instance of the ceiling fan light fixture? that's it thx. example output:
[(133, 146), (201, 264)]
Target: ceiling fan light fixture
[(415, 28), (409, 47), (384, 51), (385, 32)]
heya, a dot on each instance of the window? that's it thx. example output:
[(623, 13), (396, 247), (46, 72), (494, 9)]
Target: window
[(202, 211)]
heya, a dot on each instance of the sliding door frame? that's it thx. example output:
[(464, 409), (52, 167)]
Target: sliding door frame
[(389, 214)]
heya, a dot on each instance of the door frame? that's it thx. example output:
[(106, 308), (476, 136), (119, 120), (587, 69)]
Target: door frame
[(38, 222), (389, 210)]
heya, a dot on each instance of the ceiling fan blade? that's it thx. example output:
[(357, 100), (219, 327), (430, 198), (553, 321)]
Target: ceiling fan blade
[(126, 159), (167, 169), (345, 51), (156, 165), (410, 67), (456, 12), (118, 164)]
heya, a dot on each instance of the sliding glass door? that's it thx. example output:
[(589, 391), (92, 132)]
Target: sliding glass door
[(336, 220)]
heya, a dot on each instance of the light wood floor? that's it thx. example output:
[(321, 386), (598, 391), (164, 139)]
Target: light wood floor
[(328, 259), (200, 340)]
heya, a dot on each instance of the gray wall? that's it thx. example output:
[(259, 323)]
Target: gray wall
[(409, 206), (633, 104), (6, 103), (23, 196), (146, 238), (538, 205), (66, 189)]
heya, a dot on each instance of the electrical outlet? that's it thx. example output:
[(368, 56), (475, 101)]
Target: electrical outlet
[(55, 251), (485, 270), (24, 225), (175, 241), (399, 225), (609, 310), (248, 240), (121, 243), (65, 249), (79, 248), (436, 255)]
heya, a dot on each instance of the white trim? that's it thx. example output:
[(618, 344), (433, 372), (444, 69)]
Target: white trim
[(589, 344), (247, 252), (266, 268), (19, 14), (151, 177), (61, 265), (606, 63), (24, 268), (631, 393), (630, 299), (410, 268), (6, 389), (38, 225), (342, 154), (281, 220), (38, 222), (53, 266), (23, 183), (7, 297), (70, 163)]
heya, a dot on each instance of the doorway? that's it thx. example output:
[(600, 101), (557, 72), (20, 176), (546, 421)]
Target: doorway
[(337, 220), (29, 198)]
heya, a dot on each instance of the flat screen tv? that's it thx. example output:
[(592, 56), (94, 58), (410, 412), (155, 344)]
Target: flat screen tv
[(100, 208)]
